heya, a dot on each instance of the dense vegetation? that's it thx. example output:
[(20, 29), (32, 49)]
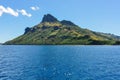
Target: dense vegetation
[(55, 32)]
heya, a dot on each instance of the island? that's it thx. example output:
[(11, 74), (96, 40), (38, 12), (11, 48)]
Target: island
[(51, 31)]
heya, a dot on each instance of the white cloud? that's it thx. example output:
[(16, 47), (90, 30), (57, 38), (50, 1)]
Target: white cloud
[(35, 8), (12, 12), (8, 10), (24, 13)]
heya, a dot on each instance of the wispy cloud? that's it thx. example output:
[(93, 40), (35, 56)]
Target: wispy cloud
[(8, 10), (24, 13), (35, 8), (13, 12)]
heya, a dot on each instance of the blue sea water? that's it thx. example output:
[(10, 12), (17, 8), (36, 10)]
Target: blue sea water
[(59, 62)]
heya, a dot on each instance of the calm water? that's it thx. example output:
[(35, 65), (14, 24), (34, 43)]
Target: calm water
[(59, 62)]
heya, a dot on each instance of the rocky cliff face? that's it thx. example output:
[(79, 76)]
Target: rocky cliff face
[(49, 18)]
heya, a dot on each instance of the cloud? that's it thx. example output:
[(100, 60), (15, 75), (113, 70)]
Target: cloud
[(24, 13), (8, 10), (12, 12), (35, 8)]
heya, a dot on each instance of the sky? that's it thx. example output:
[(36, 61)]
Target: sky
[(96, 15)]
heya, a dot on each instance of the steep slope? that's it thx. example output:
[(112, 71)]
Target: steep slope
[(53, 31)]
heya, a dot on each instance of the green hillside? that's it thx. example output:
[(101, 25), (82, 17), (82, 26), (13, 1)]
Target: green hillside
[(55, 32)]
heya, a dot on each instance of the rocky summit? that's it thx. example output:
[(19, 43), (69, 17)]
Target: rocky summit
[(51, 31)]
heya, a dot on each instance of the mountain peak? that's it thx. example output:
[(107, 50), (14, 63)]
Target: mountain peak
[(49, 18), (65, 22)]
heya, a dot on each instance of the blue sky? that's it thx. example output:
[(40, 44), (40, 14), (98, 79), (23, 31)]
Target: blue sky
[(96, 15)]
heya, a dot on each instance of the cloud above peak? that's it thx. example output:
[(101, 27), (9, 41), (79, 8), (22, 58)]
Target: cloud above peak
[(13, 12), (24, 13), (35, 8), (7, 10)]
